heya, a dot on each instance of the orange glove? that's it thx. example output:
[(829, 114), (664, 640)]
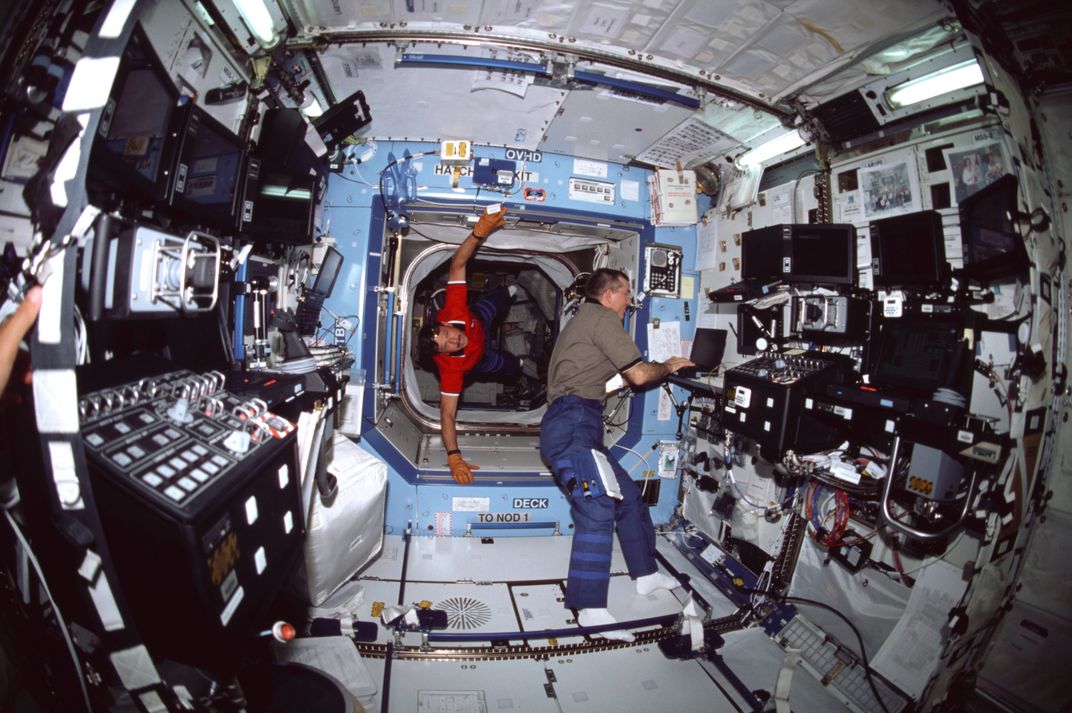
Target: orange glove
[(461, 471), (488, 224)]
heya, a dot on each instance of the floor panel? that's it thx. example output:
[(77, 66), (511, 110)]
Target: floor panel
[(635, 680), (464, 687), (504, 559), (469, 607), (540, 607), (757, 660), (388, 564), (514, 584)]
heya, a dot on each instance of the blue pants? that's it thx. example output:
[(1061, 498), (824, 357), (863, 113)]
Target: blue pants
[(570, 434), (489, 309)]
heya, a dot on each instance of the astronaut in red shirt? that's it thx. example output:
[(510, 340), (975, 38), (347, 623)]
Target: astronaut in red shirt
[(457, 340)]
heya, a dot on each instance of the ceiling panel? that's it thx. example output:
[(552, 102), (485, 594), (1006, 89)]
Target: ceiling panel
[(621, 22), (759, 47), (637, 124), (316, 15), (707, 34), (431, 103), (529, 14)]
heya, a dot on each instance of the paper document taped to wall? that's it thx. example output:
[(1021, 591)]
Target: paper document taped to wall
[(910, 654)]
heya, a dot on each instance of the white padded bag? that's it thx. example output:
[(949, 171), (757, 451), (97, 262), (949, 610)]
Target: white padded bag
[(345, 536)]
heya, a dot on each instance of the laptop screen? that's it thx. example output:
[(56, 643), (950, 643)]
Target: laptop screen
[(708, 346)]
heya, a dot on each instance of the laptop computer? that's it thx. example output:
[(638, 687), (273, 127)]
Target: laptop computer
[(761, 267), (745, 290), (708, 346)]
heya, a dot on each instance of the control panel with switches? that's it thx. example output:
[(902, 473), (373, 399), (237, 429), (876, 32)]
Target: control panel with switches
[(764, 398), (176, 434), (589, 191), (198, 491), (662, 270)]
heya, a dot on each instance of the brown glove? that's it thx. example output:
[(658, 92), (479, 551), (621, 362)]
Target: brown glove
[(461, 471), (488, 224)]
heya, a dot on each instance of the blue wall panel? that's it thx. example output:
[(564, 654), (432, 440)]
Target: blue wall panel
[(354, 217)]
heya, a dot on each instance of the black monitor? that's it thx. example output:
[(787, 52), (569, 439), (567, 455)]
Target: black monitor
[(308, 313), (908, 251), (284, 209), (992, 246), (819, 254), (201, 342), (130, 157), (282, 135), (281, 145), (916, 356), (205, 184), (761, 253), (330, 267), (343, 119)]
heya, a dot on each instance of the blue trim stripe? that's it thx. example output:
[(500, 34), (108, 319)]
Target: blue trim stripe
[(591, 556), (591, 537), (585, 574)]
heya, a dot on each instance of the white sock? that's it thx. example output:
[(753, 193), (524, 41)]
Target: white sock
[(512, 289), (656, 580), (598, 617)]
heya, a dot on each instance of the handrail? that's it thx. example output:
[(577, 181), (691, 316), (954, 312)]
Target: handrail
[(511, 526), (664, 620), (889, 518)]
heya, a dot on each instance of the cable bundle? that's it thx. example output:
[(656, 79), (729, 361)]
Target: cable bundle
[(817, 512)]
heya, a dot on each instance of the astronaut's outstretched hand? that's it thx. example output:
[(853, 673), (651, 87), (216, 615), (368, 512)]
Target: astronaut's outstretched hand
[(489, 223), (461, 471), (14, 329)]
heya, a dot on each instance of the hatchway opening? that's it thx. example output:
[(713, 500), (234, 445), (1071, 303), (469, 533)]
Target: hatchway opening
[(526, 328), (497, 421)]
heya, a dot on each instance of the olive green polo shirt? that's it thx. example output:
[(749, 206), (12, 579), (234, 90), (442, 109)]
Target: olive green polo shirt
[(589, 351)]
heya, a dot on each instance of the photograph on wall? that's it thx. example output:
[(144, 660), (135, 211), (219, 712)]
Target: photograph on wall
[(889, 189), (975, 167)]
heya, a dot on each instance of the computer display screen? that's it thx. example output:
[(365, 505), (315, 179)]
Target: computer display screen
[(206, 174), (330, 267), (708, 347), (201, 342), (822, 254), (312, 301), (284, 209), (992, 246), (908, 250), (916, 356), (130, 152), (761, 254)]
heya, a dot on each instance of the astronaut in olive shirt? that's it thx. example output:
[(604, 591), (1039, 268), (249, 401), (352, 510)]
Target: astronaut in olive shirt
[(591, 349)]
